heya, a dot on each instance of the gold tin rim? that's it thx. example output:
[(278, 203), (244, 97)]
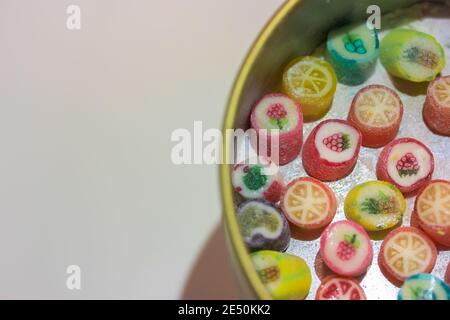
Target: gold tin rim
[(237, 242)]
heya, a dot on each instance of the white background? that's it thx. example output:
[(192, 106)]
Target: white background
[(85, 124)]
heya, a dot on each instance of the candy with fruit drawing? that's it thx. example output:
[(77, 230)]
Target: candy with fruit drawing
[(407, 251), (331, 150), (407, 163), (375, 205), (263, 226), (432, 209), (258, 178), (278, 121), (353, 51), (346, 249), (286, 276), (436, 111), (308, 203), (311, 82), (377, 112)]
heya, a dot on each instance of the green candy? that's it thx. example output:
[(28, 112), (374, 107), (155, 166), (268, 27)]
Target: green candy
[(255, 179), (412, 55)]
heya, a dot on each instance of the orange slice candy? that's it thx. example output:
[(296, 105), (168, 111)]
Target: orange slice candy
[(377, 108), (407, 251), (442, 91), (377, 112), (308, 203), (432, 207), (436, 111)]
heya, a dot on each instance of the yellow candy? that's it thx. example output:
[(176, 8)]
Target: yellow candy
[(311, 82), (412, 55), (286, 277), (375, 205)]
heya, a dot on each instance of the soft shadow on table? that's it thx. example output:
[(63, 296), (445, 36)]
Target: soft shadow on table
[(211, 276)]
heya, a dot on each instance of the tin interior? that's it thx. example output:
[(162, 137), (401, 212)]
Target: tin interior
[(299, 28)]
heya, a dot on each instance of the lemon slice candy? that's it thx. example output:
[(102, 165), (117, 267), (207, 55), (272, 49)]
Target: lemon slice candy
[(311, 82)]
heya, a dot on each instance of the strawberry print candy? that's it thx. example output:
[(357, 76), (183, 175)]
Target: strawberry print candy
[(337, 142), (424, 286), (436, 111), (285, 276), (375, 205), (339, 288), (331, 150), (432, 209), (277, 112), (263, 226), (281, 113), (346, 249), (407, 163), (407, 251), (377, 112), (258, 178)]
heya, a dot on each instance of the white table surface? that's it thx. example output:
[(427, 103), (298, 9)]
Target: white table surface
[(85, 123)]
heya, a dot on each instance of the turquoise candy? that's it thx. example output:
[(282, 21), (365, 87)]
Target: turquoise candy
[(353, 51), (424, 286)]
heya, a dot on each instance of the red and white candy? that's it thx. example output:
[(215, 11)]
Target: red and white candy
[(407, 163), (258, 178), (278, 112), (376, 111), (331, 150), (346, 249), (436, 111), (339, 288), (432, 209), (407, 251)]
